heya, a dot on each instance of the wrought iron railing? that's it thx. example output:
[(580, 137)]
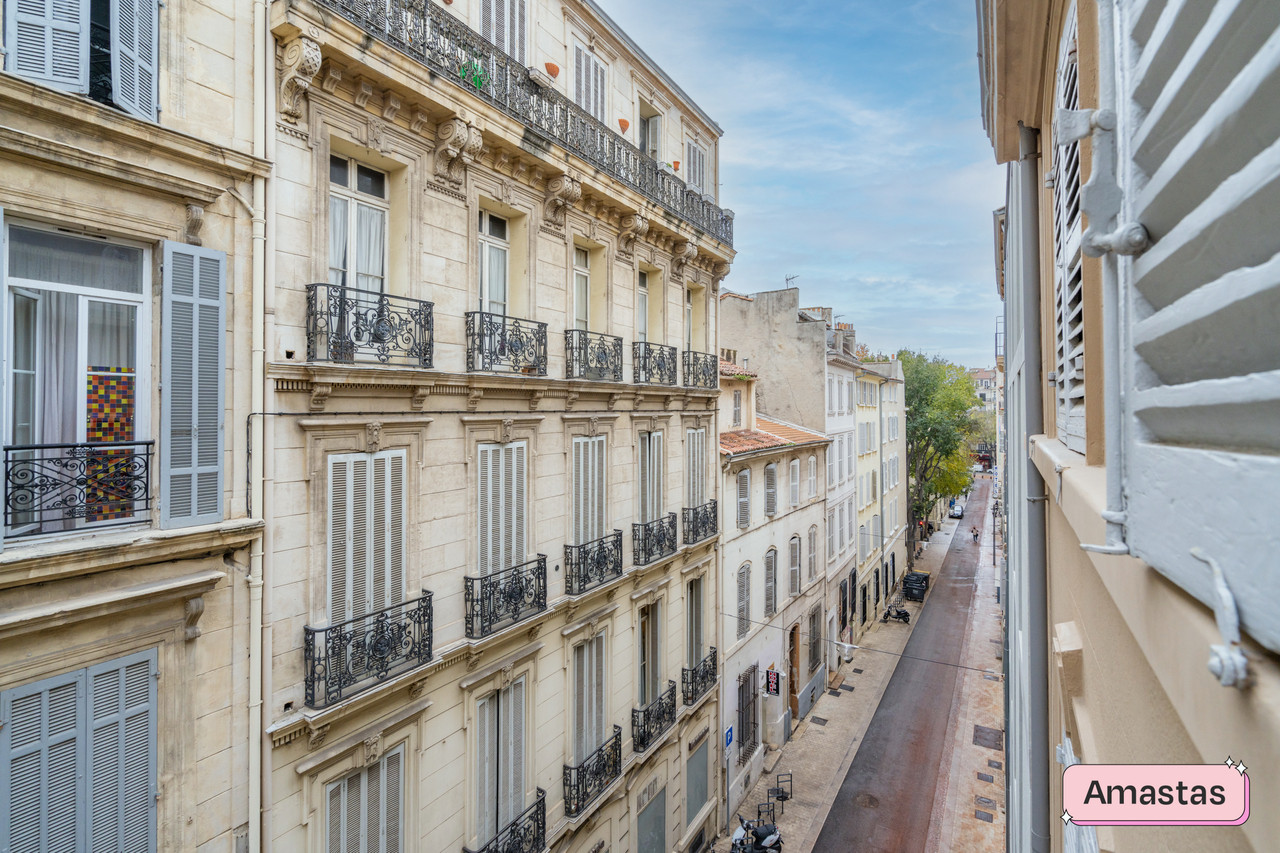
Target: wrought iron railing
[(694, 683), (653, 540), (53, 487), (653, 364), (701, 370), (347, 325), (503, 598), (590, 565), (499, 342), (592, 355), (526, 834), (700, 522), (352, 656), (425, 32), (582, 784), (648, 723)]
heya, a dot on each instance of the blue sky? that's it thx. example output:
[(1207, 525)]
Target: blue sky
[(853, 155)]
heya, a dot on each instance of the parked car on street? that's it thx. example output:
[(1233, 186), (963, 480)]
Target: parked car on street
[(957, 511)]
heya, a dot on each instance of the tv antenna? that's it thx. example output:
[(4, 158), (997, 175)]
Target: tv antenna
[(791, 278)]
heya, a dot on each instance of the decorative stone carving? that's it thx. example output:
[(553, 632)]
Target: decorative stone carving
[(504, 190), (376, 134), (683, 252), (570, 398), (301, 62), (507, 672), (372, 749), (591, 204), (473, 659), (419, 121), (320, 395), (533, 632), (390, 105), (191, 611), (316, 735), (718, 273), (417, 688), (372, 437), (507, 425), (364, 91), (521, 170), (634, 226), (613, 400), (562, 193), (330, 76), (473, 398), (593, 427), (195, 219), (501, 160), (420, 395), (457, 146), (535, 398)]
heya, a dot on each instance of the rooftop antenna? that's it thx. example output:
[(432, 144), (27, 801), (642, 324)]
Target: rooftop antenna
[(791, 278)]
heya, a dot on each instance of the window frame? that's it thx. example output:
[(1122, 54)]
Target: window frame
[(488, 243), (355, 199)]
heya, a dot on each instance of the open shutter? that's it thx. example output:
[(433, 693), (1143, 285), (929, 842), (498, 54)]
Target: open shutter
[(744, 497), (580, 703), (516, 33), (392, 808), (794, 481), (657, 458), (580, 497), (486, 768), (771, 489), (135, 27), (770, 582), (1204, 178), (519, 548), (387, 534), (340, 538), (654, 138), (191, 405), (511, 749), (489, 461), (48, 41), (600, 90), (581, 80), (122, 753), (795, 565), (744, 600)]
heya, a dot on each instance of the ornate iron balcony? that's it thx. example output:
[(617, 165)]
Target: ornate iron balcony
[(700, 522), (696, 682), (653, 540), (582, 784), (701, 370), (653, 364), (590, 565), (53, 487), (352, 656), (435, 38), (348, 325), (526, 834), (499, 342), (648, 723), (504, 598), (592, 355)]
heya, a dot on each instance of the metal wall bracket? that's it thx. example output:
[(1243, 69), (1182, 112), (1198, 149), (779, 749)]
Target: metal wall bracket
[(1227, 661), (1100, 198)]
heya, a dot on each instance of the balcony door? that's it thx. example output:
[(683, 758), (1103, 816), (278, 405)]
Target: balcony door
[(366, 533), (495, 250)]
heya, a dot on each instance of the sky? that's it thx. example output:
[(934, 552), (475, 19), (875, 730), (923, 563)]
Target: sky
[(853, 156)]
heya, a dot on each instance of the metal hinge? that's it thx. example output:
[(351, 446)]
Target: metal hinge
[(1100, 198), (1226, 661)]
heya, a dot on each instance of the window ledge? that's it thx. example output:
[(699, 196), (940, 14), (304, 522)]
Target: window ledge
[(42, 560)]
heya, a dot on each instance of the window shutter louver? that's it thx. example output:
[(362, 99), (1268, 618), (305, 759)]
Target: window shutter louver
[(580, 703), (488, 477), (511, 751), (191, 406), (48, 40), (770, 582), (744, 600), (519, 547), (579, 491), (657, 458), (358, 579), (518, 25), (848, 455), (121, 753), (135, 27), (813, 476), (43, 741), (393, 776), (334, 833), (581, 85), (795, 565), (771, 489), (598, 712), (487, 767), (744, 497), (813, 552), (831, 465), (601, 91), (793, 477)]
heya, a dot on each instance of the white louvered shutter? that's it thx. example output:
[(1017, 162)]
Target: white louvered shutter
[(848, 454), (191, 399), (487, 767), (516, 35), (831, 533), (514, 466), (744, 497), (651, 476), (793, 481), (366, 533), (1200, 168), (771, 489), (588, 489), (599, 89), (813, 476), (581, 702), (511, 748), (813, 552), (581, 77), (831, 465), (770, 582), (48, 41), (795, 565), (744, 600), (135, 29), (501, 506)]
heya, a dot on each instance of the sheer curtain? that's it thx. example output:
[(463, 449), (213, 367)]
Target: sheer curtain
[(371, 226)]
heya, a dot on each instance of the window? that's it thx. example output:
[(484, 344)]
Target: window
[(649, 133), (862, 610), (495, 253), (590, 706), (832, 453), (651, 824), (813, 476), (864, 548), (695, 449), (840, 514), (688, 320), (815, 639), (840, 406), (364, 809), (770, 582), (697, 774), (840, 456), (693, 609), (358, 212), (642, 306), (737, 408), (793, 480), (590, 86), (502, 506), (813, 552), (651, 471), (500, 755), (848, 453), (851, 519), (831, 534), (744, 599), (1068, 288), (102, 49), (696, 166), (78, 758), (590, 501), (744, 497), (795, 565), (649, 647), (581, 288), (748, 727), (502, 23), (771, 489), (831, 395), (366, 527)]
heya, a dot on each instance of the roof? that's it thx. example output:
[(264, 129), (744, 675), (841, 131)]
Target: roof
[(728, 368), (725, 294), (769, 435), (793, 434)]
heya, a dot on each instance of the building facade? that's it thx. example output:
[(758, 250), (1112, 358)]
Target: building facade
[(1140, 400)]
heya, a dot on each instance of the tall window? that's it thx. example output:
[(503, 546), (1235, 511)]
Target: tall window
[(744, 599), (831, 534), (366, 533), (364, 809), (649, 132), (697, 774), (688, 320), (795, 565), (500, 757), (1068, 288), (695, 449), (831, 465), (813, 476), (744, 497), (737, 408), (502, 23), (581, 288), (693, 609), (793, 481), (748, 722), (651, 471), (815, 638), (848, 453), (840, 515), (840, 456), (495, 251), (357, 225), (696, 167), (649, 648), (831, 395), (590, 706), (770, 582), (590, 81), (771, 489), (589, 492), (642, 306), (813, 552), (502, 505)]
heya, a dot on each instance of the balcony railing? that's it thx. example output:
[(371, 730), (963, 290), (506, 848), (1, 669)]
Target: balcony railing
[(595, 563), (648, 723), (526, 834), (592, 355), (700, 522), (582, 784), (498, 342), (348, 325), (653, 364), (653, 540), (352, 656), (504, 598), (54, 487), (435, 38), (701, 370), (694, 683)]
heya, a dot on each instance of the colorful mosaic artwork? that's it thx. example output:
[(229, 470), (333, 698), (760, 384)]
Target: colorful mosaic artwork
[(110, 414)]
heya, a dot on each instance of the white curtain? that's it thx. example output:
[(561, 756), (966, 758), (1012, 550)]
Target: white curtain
[(337, 241), (371, 237), (45, 256)]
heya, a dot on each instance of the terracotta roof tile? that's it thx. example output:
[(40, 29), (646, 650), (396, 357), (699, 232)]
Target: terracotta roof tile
[(793, 435), (728, 368), (746, 440)]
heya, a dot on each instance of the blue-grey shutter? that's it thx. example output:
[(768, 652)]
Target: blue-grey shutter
[(4, 325), (122, 753), (135, 30), (48, 41), (191, 394)]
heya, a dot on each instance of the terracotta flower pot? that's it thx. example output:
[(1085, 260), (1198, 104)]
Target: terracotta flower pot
[(624, 124), (676, 165), (553, 70)]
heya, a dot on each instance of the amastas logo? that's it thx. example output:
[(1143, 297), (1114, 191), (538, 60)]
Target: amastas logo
[(1156, 794)]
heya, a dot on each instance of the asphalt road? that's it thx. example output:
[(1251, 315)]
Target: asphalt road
[(886, 800)]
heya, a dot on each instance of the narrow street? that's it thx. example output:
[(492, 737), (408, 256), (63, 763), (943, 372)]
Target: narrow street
[(887, 798)]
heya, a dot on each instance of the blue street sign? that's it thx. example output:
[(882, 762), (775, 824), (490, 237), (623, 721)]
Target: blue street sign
[(728, 737)]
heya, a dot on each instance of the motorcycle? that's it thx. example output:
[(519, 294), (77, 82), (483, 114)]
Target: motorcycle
[(755, 836), (893, 611)]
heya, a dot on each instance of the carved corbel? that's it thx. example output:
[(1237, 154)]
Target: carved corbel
[(535, 398), (364, 91), (533, 632), (195, 219), (372, 749), (473, 659), (569, 399), (613, 400), (473, 398), (420, 395), (719, 271), (390, 105), (683, 252), (507, 425), (457, 146), (330, 76), (316, 735), (417, 688), (562, 193), (191, 612), (591, 205), (419, 121), (301, 62), (521, 171), (634, 226), (320, 395)]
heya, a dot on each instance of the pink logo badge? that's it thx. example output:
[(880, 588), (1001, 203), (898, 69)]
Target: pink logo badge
[(1156, 794)]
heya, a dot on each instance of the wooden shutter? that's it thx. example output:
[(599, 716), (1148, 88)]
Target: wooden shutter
[(393, 801), (600, 89), (48, 41), (502, 514), (191, 404), (366, 533), (696, 466), (654, 140), (652, 474), (122, 753), (771, 489), (43, 742), (581, 78), (135, 30), (516, 31), (588, 489), (793, 478), (813, 476), (795, 565), (486, 768), (831, 533), (848, 454), (511, 749), (514, 464), (744, 497), (770, 582), (813, 551), (832, 452), (744, 599)]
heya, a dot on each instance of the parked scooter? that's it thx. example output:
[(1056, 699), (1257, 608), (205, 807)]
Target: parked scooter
[(755, 836), (893, 611)]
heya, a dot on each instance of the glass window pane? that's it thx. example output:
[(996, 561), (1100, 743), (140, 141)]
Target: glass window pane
[(580, 258), (338, 171), (371, 247), (113, 332), (497, 227), (371, 181), (110, 382), (24, 365), (337, 240), (497, 280), (697, 780), (61, 258), (581, 299)]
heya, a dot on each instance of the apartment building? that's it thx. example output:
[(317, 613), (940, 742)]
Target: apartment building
[(490, 486), (879, 463), (772, 617), (128, 172), (1141, 389)]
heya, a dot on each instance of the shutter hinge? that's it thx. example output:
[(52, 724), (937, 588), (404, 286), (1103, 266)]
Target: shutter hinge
[(1226, 661), (1100, 198)]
